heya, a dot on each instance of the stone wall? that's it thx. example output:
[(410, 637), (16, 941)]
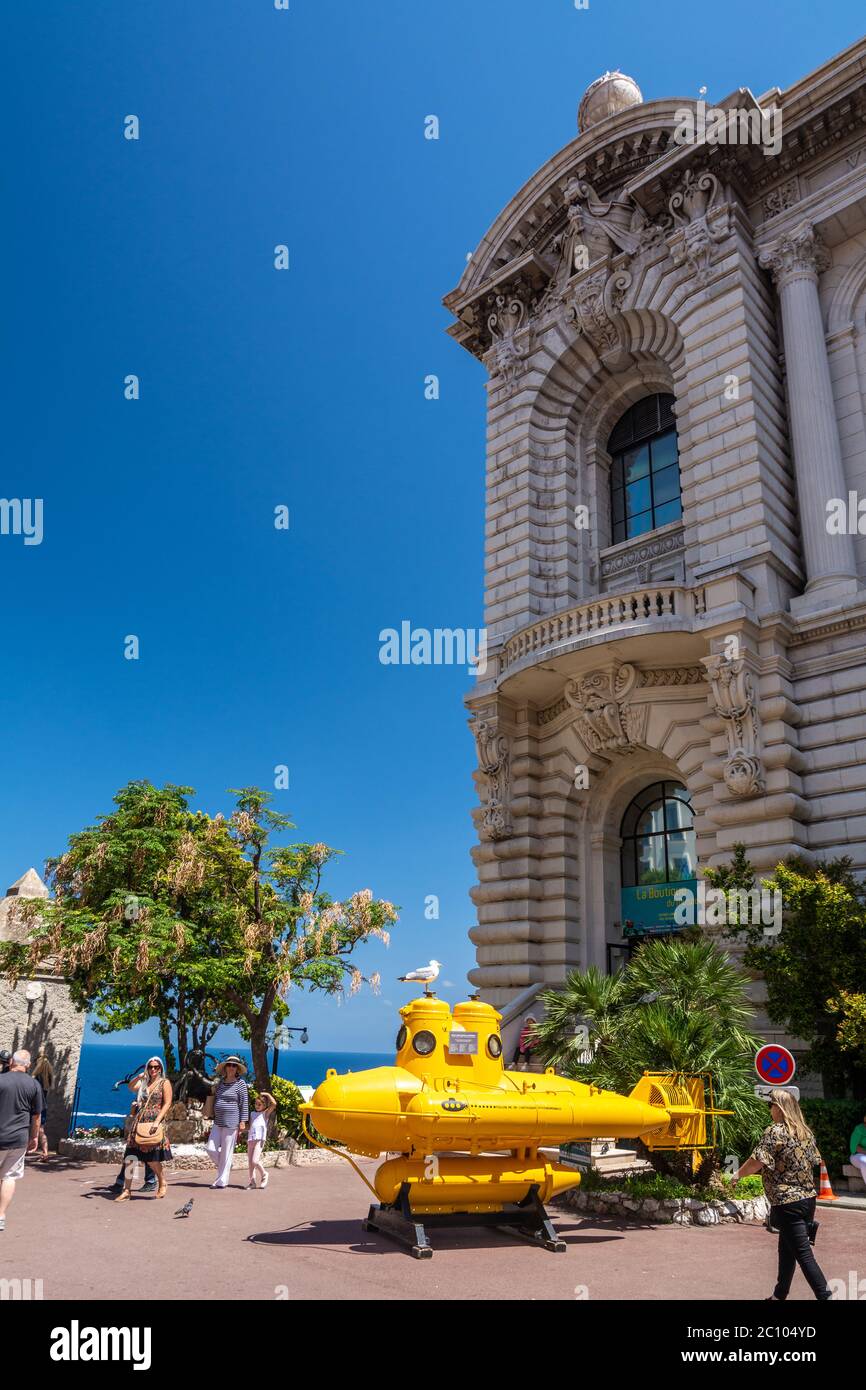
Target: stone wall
[(679, 1211), (52, 1022)]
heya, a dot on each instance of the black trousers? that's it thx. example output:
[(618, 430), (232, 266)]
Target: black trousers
[(792, 1221)]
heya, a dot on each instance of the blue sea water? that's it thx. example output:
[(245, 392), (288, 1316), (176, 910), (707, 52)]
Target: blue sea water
[(104, 1063)]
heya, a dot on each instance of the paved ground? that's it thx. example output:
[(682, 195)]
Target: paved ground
[(302, 1239)]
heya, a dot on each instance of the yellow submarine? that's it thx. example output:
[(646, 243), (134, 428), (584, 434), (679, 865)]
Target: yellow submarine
[(465, 1134)]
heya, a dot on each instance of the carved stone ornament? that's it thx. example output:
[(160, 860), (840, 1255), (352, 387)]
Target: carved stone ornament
[(642, 552), (699, 224), (607, 723), (510, 346), (798, 255), (734, 701), (494, 760), (591, 307), (781, 198)]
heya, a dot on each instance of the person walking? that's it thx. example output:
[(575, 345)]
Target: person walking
[(147, 1140), (257, 1138), (20, 1111), (786, 1157), (858, 1148), (231, 1111), (150, 1183), (525, 1044), (43, 1075)]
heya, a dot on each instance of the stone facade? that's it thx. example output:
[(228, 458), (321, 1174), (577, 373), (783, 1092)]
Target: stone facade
[(38, 1013), (724, 650)]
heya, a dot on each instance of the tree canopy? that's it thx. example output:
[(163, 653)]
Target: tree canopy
[(815, 968), (197, 920)]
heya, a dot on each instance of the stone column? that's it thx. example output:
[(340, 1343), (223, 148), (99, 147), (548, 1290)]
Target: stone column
[(796, 259)]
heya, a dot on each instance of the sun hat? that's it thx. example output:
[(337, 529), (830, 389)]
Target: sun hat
[(232, 1061)]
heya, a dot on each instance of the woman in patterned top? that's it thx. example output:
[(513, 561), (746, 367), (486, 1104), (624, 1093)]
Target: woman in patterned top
[(152, 1104), (786, 1157)]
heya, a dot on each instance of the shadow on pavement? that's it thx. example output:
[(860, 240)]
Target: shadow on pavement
[(354, 1240)]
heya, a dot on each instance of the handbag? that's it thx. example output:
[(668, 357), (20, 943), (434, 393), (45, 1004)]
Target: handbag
[(143, 1139)]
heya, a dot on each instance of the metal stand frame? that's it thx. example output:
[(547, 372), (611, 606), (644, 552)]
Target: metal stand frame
[(527, 1219)]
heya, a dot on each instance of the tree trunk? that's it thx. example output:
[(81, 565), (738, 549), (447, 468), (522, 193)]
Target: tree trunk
[(259, 1049), (182, 1035), (165, 1035)]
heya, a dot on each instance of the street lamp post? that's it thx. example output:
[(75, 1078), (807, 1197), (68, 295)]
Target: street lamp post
[(282, 1038)]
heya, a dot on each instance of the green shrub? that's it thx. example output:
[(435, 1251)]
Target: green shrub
[(662, 1187), (832, 1122)]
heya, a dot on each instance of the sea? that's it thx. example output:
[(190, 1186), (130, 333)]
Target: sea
[(102, 1064)]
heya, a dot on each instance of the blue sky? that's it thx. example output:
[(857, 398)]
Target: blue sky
[(259, 388)]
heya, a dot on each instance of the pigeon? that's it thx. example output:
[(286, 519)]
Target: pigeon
[(186, 1208), (426, 975)]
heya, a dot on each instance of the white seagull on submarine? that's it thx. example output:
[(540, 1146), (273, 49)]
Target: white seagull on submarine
[(426, 974)]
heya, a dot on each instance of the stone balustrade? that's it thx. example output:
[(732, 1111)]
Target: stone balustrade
[(648, 607)]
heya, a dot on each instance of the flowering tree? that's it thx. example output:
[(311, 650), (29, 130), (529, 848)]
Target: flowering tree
[(159, 911)]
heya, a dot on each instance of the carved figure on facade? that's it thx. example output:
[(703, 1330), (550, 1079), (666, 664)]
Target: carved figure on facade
[(606, 721), (700, 223), (734, 701), (494, 760)]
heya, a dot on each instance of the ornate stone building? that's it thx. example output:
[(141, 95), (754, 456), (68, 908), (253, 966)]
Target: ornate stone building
[(672, 315)]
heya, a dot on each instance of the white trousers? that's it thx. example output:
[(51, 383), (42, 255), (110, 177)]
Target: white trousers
[(220, 1147), (859, 1161)]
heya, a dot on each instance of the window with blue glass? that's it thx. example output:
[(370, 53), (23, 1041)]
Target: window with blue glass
[(645, 470), (658, 837)]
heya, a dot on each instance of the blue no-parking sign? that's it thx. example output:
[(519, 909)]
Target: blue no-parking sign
[(775, 1065)]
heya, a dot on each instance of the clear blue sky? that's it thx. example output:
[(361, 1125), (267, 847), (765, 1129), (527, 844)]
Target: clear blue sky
[(258, 388)]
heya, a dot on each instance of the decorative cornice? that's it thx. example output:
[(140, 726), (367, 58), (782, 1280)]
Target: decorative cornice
[(642, 552), (676, 675), (816, 632)]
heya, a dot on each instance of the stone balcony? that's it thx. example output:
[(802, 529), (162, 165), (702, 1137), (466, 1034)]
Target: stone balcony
[(653, 608)]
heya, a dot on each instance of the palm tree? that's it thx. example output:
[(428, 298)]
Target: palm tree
[(678, 1006)]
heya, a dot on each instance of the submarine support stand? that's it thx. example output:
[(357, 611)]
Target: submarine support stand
[(527, 1219)]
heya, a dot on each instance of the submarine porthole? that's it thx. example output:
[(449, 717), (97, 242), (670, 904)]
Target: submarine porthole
[(401, 1038), (424, 1043), (494, 1045)]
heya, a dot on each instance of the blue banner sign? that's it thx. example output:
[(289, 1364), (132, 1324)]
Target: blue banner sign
[(650, 907)]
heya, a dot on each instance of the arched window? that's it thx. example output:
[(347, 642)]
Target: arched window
[(645, 470), (658, 837)]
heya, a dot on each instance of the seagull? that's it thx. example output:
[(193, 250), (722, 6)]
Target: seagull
[(186, 1208), (425, 975)]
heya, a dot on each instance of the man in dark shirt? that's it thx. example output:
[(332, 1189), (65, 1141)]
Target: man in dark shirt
[(20, 1111)]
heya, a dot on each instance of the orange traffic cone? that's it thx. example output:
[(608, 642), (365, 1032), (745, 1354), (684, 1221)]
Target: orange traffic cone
[(825, 1191)]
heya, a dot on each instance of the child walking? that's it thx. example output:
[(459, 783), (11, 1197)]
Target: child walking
[(265, 1107)]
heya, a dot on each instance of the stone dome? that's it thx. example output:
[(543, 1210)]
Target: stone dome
[(607, 96)]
